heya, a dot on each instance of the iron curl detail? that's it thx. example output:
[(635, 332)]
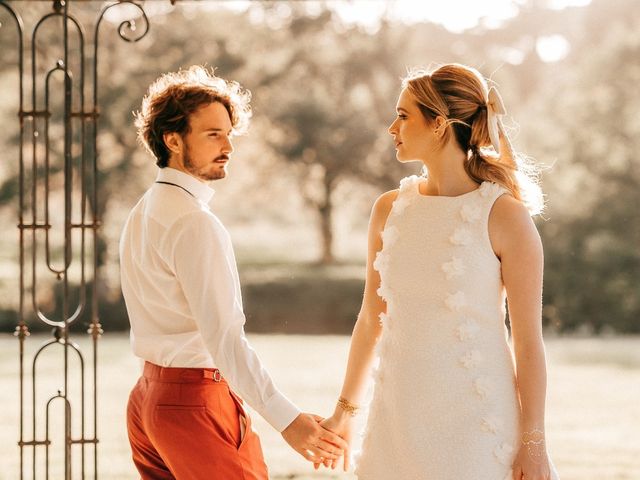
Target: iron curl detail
[(128, 26)]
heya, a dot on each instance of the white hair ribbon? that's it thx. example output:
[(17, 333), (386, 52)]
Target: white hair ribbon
[(495, 109)]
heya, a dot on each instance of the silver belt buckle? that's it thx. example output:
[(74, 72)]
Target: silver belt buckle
[(216, 375)]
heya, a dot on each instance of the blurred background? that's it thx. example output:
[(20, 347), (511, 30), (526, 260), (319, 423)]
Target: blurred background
[(325, 77)]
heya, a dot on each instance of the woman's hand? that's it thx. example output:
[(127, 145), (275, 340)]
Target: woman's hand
[(341, 423), (531, 463), (310, 440)]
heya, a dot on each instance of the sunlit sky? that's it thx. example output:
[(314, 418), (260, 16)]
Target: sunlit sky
[(454, 15)]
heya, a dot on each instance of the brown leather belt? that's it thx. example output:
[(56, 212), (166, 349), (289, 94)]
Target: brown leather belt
[(181, 375)]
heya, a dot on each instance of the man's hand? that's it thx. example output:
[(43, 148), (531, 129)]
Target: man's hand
[(341, 423), (309, 439)]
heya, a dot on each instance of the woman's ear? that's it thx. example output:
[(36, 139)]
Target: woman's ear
[(440, 126), (173, 141)]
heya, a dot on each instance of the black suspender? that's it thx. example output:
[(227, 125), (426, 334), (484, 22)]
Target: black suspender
[(176, 185)]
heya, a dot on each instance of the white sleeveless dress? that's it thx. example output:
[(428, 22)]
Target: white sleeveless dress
[(445, 405)]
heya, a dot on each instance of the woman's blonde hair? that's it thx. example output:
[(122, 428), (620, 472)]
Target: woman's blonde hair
[(460, 95)]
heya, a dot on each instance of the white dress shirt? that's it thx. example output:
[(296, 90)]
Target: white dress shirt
[(181, 287)]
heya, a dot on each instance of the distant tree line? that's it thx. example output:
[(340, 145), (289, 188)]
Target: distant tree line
[(323, 96)]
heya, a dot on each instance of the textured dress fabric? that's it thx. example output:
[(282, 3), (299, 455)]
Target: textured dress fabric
[(445, 404)]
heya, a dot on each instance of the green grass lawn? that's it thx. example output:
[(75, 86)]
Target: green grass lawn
[(593, 418)]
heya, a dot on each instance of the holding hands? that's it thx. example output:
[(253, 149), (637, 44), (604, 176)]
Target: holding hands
[(341, 423), (310, 439)]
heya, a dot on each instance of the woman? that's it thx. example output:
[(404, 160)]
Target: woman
[(444, 253)]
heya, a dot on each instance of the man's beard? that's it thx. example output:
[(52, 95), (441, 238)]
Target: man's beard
[(208, 175)]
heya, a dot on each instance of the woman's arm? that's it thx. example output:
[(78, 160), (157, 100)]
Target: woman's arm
[(367, 329), (516, 242)]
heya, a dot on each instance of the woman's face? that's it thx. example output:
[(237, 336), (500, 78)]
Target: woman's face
[(413, 136)]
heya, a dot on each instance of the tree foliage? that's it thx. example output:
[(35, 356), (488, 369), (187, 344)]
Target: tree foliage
[(324, 94)]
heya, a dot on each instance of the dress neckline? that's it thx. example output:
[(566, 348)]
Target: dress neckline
[(417, 187)]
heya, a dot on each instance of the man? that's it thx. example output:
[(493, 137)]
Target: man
[(180, 284)]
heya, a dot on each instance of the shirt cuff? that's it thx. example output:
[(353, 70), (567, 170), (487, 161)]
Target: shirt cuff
[(279, 411)]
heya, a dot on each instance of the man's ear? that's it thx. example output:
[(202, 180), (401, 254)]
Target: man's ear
[(173, 141)]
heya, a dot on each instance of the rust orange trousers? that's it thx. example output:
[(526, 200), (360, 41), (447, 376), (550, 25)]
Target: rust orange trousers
[(185, 424)]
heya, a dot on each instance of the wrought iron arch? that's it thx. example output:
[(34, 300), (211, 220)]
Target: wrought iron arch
[(81, 217)]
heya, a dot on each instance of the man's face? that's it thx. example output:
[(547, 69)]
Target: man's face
[(206, 148)]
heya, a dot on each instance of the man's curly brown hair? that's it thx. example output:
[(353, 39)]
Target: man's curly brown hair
[(173, 97)]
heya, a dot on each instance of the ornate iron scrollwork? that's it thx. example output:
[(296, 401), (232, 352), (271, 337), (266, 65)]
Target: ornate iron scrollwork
[(77, 166)]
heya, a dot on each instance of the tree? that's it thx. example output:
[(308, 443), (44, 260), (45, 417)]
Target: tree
[(326, 108), (593, 238)]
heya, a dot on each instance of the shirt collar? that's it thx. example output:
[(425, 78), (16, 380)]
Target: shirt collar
[(195, 187)]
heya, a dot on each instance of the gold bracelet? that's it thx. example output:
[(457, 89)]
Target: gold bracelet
[(348, 407), (533, 436), (535, 443)]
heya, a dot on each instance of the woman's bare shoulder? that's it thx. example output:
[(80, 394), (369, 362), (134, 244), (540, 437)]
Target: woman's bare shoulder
[(511, 225), (508, 212), (382, 206)]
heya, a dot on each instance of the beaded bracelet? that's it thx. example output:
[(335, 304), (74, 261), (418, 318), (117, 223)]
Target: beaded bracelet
[(348, 407), (532, 439)]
